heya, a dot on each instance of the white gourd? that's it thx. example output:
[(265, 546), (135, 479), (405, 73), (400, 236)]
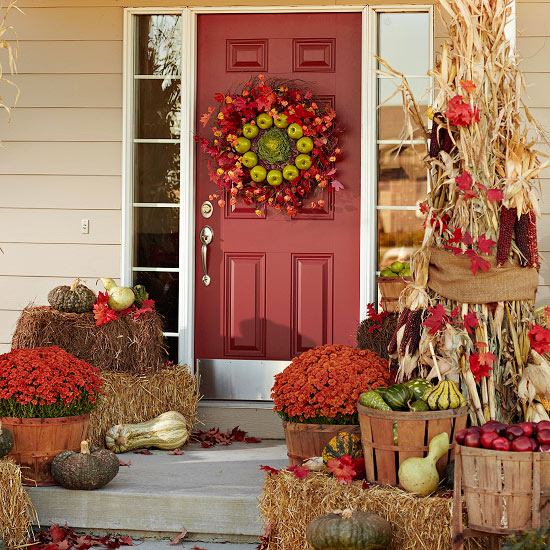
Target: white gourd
[(167, 431)]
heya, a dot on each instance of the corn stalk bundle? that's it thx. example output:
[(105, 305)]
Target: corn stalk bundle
[(480, 242)]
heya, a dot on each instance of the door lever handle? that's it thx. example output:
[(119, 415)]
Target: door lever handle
[(206, 236)]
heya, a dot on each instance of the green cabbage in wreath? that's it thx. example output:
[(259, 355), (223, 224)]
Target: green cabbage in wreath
[(274, 146)]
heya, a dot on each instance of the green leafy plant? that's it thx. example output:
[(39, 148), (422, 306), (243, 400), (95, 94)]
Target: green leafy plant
[(531, 540)]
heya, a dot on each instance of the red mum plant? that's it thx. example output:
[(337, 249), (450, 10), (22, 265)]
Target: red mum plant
[(323, 384), (46, 383)]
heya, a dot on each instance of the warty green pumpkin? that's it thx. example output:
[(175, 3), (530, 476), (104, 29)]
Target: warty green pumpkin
[(87, 470), (6, 441), (419, 387), (77, 298), (373, 400), (396, 396), (344, 443), (349, 530), (167, 431)]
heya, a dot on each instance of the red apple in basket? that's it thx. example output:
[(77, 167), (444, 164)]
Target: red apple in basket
[(523, 444), (544, 448), (543, 437), (543, 425), (501, 444), (527, 427), (494, 426), (487, 439), (513, 432), (460, 435), (472, 439)]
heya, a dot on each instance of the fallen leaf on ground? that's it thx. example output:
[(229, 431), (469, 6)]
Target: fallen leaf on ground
[(122, 463), (178, 538), (214, 436), (177, 452), (142, 452)]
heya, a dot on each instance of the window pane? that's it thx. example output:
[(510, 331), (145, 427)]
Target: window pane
[(157, 172), (158, 108), (159, 44), (400, 233), (156, 237), (172, 345), (391, 120), (402, 179), (404, 41), (163, 288)]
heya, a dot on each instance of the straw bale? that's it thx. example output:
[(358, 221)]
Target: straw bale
[(288, 504), (16, 510), (131, 398), (126, 344)]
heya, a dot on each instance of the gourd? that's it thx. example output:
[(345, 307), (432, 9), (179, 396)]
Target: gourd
[(396, 396), (373, 400), (419, 475), (86, 470), (445, 395), (6, 441), (419, 387), (76, 298), (120, 297), (349, 530), (140, 294), (419, 406), (167, 431), (344, 443)]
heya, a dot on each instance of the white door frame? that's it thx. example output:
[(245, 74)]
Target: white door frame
[(368, 198)]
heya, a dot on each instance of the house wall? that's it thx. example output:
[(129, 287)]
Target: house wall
[(61, 160)]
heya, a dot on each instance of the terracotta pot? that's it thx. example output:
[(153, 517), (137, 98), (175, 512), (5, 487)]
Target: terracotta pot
[(304, 441), (37, 441)]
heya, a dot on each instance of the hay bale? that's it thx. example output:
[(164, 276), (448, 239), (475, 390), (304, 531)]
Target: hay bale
[(288, 504), (124, 345), (16, 510), (131, 398)]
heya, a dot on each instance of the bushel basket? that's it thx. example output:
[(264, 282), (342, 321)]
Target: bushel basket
[(390, 437), (390, 289)]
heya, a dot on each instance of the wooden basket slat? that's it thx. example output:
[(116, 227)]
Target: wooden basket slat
[(382, 432), (368, 451), (409, 434)]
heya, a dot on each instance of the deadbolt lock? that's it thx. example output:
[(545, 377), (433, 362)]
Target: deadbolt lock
[(207, 209)]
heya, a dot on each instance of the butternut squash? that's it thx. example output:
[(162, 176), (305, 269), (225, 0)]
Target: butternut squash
[(167, 431)]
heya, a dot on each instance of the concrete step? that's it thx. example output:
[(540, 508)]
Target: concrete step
[(165, 545), (255, 417), (211, 493)]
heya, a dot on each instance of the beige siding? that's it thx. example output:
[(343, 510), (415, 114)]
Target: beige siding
[(61, 157)]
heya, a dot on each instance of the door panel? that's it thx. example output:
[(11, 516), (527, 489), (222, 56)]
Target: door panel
[(278, 285)]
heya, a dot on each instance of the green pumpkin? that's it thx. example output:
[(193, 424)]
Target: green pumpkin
[(373, 400), (419, 406), (397, 396), (6, 441), (349, 530), (86, 470), (419, 387), (2, 544), (344, 443), (76, 298)]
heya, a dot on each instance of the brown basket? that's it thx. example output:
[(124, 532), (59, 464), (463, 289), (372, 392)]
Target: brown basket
[(390, 289), (414, 432), (504, 492), (37, 441), (304, 441)]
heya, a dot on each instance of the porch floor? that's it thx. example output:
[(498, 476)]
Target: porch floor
[(211, 493)]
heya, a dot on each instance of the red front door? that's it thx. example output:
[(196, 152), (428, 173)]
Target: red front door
[(279, 286)]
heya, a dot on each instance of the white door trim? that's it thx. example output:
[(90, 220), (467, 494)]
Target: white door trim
[(368, 231)]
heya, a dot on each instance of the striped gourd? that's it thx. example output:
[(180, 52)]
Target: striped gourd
[(445, 395), (344, 443), (373, 400), (396, 396)]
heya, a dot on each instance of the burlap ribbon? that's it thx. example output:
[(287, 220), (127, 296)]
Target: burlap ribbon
[(450, 276)]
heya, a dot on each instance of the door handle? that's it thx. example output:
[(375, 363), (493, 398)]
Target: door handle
[(206, 236)]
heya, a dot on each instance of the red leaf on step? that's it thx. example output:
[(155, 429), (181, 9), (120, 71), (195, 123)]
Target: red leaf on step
[(270, 470), (177, 452), (122, 463), (213, 436), (178, 538), (252, 440), (198, 548), (57, 533), (300, 472), (126, 540), (142, 452)]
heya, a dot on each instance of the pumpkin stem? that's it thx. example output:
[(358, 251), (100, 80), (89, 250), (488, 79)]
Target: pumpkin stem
[(75, 283), (347, 513), (85, 448)]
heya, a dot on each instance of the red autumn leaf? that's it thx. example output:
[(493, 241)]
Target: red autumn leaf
[(103, 314), (468, 86), (477, 263), (102, 298), (270, 470), (470, 322), (142, 452), (424, 207), (365, 485), (495, 195), (252, 440), (457, 236), (539, 337), (343, 468), (146, 306), (122, 463), (437, 319), (465, 182), (178, 539), (300, 472), (219, 97), (454, 249), (337, 185), (461, 113), (467, 239), (57, 533), (126, 540), (484, 245), (481, 364), (177, 452), (206, 116)]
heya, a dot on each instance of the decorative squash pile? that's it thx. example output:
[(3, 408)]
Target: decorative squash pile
[(415, 395), (344, 443)]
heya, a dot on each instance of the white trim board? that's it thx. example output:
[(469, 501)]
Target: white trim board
[(368, 231)]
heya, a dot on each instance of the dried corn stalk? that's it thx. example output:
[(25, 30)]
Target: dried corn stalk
[(481, 205), (6, 44)]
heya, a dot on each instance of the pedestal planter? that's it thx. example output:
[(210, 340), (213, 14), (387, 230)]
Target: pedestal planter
[(306, 440), (390, 437), (38, 440)]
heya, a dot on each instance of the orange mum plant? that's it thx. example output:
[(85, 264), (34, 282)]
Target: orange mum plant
[(323, 384)]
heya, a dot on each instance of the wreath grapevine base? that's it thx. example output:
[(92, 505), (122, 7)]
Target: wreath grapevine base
[(272, 144)]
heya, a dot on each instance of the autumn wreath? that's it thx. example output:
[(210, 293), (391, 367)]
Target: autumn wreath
[(273, 144)]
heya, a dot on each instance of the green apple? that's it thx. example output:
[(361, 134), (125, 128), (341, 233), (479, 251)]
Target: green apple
[(295, 131), (280, 120), (274, 177), (242, 145), (406, 272), (264, 121), (250, 159), (387, 272), (258, 173), (290, 172), (304, 144), (397, 267), (303, 162), (250, 131)]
